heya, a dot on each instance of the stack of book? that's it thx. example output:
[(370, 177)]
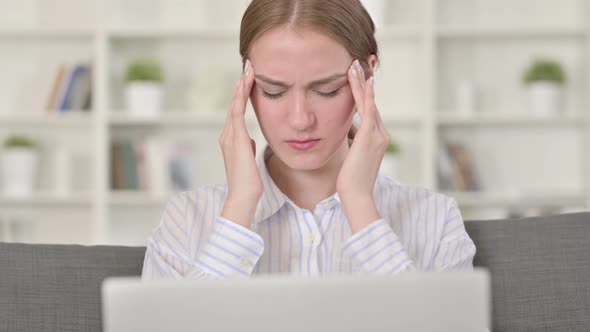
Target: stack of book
[(71, 89), (456, 169), (152, 166)]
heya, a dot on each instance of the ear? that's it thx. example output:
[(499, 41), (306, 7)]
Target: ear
[(372, 61)]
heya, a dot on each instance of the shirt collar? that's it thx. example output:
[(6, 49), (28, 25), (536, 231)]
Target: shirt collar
[(272, 198)]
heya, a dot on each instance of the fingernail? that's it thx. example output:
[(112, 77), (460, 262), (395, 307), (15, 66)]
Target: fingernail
[(360, 69), (353, 70), (247, 68)]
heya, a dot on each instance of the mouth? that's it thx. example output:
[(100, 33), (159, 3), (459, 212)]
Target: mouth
[(303, 145)]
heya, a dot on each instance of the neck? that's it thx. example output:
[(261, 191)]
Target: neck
[(307, 188)]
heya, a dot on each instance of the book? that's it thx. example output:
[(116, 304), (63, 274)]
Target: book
[(456, 169), (118, 179), (72, 82), (71, 89), (129, 166), (56, 88)]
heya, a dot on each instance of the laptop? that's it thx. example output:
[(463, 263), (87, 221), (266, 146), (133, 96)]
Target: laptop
[(414, 301)]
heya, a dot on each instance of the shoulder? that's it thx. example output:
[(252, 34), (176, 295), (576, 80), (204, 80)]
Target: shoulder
[(397, 193), (210, 193)]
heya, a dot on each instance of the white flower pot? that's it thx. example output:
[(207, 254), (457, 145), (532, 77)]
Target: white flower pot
[(377, 10), (144, 99), (19, 170), (545, 98), (389, 165)]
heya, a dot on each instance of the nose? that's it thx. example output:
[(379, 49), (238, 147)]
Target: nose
[(301, 117)]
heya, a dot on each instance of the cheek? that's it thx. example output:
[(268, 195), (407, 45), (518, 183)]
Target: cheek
[(338, 111), (268, 113)]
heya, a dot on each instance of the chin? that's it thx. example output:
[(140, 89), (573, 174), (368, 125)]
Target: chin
[(302, 161)]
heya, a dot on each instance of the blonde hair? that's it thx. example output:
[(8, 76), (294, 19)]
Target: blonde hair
[(345, 21)]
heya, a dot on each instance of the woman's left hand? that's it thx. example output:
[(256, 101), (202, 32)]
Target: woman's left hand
[(357, 176)]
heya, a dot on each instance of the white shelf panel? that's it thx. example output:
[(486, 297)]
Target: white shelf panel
[(45, 33), (54, 119), (497, 199), (509, 32), (174, 119), (450, 119), (155, 33), (48, 199)]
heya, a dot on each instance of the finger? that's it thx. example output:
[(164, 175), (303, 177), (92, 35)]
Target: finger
[(248, 81), (238, 121), (361, 74), (357, 91), (372, 111)]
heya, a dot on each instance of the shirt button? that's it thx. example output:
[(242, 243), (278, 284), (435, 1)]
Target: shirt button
[(246, 263), (312, 238)]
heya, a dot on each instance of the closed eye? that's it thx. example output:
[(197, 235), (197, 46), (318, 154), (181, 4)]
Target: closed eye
[(330, 94), (274, 96)]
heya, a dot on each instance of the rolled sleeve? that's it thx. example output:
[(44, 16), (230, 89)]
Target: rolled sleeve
[(456, 249), (377, 249), (232, 251)]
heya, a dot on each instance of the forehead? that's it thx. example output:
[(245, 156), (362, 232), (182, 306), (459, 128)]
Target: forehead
[(285, 50)]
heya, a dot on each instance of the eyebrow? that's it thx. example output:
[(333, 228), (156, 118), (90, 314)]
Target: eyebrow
[(315, 83)]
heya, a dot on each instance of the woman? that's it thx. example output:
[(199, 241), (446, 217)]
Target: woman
[(314, 202)]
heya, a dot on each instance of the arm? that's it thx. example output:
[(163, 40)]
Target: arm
[(230, 251), (379, 250)]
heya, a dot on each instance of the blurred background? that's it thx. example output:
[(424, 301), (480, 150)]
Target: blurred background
[(107, 107)]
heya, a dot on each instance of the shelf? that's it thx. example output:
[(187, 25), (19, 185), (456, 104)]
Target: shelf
[(174, 119), (510, 32), (523, 200), (450, 119), (53, 119), (155, 33), (45, 33), (48, 199), (126, 198)]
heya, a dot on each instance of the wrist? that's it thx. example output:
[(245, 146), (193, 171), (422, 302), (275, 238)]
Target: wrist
[(240, 211), (360, 212)]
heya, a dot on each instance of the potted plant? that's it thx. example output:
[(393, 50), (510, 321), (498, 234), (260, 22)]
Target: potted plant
[(544, 80), (19, 166), (143, 91), (389, 165)]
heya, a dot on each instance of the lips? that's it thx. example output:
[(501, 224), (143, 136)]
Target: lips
[(303, 145)]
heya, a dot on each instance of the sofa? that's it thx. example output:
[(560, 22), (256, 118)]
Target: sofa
[(540, 269)]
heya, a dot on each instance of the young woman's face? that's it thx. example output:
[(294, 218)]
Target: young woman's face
[(301, 95)]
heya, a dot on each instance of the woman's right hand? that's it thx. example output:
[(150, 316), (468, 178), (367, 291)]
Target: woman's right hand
[(239, 150)]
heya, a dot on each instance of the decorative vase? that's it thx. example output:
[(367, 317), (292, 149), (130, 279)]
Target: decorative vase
[(19, 170), (144, 99), (545, 98)]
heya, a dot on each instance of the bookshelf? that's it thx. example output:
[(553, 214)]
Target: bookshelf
[(428, 46)]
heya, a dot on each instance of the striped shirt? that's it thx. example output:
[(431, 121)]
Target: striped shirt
[(419, 230)]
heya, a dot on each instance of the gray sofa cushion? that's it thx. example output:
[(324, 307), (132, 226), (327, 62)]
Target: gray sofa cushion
[(57, 287), (540, 277), (540, 271)]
